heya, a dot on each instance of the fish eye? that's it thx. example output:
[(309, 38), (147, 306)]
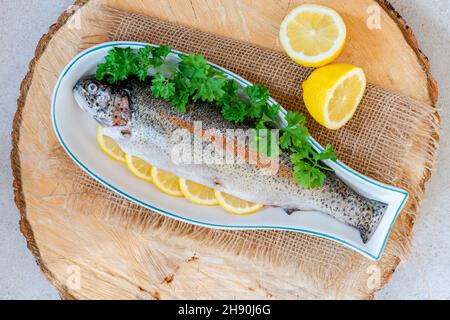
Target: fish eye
[(92, 88)]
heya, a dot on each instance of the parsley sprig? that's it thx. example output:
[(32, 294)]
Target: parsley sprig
[(120, 63), (195, 79)]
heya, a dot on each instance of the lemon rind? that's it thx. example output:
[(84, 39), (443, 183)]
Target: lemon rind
[(106, 150), (161, 187), (337, 125), (136, 172), (224, 205)]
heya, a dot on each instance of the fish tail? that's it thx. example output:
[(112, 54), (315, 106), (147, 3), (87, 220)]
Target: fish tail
[(368, 229)]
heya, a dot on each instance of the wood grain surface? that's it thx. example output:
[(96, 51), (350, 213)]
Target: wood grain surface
[(70, 230)]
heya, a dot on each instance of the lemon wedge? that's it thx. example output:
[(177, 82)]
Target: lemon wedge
[(166, 182), (110, 147), (197, 193), (332, 94), (313, 35), (235, 205), (139, 168)]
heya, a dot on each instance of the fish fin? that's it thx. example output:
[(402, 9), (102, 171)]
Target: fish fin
[(290, 211), (378, 210)]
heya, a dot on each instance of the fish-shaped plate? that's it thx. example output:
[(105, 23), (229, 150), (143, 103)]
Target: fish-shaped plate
[(76, 132)]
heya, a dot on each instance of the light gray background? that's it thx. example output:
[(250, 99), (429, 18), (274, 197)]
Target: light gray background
[(426, 275)]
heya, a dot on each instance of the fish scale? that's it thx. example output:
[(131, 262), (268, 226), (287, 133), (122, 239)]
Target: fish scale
[(145, 126)]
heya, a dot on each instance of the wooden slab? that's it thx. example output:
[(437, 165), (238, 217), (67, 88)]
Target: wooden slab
[(115, 255)]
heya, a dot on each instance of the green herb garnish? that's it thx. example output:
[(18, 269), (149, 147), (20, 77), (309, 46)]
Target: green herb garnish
[(194, 79), (120, 63)]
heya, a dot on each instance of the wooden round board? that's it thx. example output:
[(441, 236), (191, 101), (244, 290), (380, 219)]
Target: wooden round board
[(75, 249)]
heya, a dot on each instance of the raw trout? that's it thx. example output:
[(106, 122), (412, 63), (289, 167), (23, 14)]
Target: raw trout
[(144, 126)]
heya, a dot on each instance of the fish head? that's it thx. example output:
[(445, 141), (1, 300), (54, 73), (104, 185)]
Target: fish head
[(108, 105)]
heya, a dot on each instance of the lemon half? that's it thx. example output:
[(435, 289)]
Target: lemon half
[(235, 205), (332, 94), (313, 35)]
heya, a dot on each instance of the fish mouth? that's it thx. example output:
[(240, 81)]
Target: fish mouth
[(79, 93), (79, 98)]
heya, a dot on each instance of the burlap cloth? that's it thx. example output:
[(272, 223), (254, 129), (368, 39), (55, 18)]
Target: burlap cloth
[(390, 139)]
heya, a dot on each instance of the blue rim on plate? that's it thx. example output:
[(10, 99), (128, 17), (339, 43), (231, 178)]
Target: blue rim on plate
[(314, 143)]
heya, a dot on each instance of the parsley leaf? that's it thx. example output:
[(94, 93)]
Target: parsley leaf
[(162, 87), (234, 112), (202, 82), (180, 101), (295, 119), (194, 68), (307, 175), (328, 153), (210, 90), (295, 134), (308, 172), (258, 96), (159, 54), (119, 64)]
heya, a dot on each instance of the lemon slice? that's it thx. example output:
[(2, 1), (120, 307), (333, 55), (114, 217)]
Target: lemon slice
[(235, 205), (313, 35), (139, 168), (332, 94), (166, 182), (197, 193), (110, 147)]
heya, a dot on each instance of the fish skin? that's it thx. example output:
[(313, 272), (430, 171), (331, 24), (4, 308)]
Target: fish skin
[(143, 126)]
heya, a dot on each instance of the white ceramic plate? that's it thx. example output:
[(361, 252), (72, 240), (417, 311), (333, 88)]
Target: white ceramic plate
[(76, 132)]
